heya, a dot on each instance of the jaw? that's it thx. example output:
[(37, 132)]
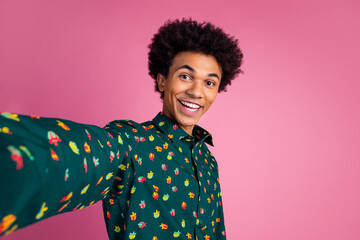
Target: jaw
[(184, 116), (187, 117)]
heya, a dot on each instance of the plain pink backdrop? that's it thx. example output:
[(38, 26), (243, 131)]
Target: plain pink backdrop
[(286, 134)]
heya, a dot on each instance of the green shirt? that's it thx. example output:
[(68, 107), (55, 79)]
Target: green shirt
[(155, 180)]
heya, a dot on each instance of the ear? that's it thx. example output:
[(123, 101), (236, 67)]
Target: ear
[(161, 82)]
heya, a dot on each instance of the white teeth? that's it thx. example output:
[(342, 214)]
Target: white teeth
[(191, 109), (191, 105)]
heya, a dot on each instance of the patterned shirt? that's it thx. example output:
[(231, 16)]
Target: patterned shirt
[(156, 181)]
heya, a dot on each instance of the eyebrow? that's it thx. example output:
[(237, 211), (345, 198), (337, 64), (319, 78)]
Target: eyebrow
[(193, 71)]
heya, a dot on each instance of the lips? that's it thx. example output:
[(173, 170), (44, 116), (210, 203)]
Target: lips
[(189, 109), (190, 106)]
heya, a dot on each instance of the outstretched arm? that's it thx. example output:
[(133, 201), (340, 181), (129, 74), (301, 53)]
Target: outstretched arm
[(50, 166)]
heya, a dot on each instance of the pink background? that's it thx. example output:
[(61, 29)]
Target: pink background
[(286, 133)]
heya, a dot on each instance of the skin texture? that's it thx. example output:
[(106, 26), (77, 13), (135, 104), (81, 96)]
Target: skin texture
[(194, 78)]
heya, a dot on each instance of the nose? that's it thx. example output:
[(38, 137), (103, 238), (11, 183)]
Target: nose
[(195, 90)]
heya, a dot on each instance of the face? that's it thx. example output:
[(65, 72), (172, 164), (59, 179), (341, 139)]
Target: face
[(190, 88)]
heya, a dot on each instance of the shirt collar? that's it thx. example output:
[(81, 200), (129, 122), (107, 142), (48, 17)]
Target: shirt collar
[(174, 132)]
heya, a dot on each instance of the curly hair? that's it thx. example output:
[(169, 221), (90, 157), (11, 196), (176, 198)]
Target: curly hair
[(189, 35)]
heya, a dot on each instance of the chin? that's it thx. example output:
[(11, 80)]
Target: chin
[(187, 121)]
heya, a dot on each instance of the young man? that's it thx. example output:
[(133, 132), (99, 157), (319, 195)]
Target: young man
[(158, 179)]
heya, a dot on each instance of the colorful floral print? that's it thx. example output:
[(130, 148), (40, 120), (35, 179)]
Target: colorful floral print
[(155, 180)]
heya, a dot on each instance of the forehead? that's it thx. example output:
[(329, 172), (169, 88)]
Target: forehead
[(201, 63)]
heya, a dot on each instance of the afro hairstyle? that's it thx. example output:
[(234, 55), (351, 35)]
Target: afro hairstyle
[(189, 35)]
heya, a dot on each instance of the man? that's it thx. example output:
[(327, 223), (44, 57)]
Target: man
[(157, 179)]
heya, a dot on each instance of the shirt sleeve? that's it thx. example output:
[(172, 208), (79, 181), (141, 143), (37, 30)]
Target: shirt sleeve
[(219, 224), (49, 166)]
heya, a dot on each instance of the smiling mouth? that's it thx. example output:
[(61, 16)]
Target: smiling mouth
[(190, 106)]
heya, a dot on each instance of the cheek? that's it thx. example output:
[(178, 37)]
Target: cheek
[(170, 97), (211, 98), (174, 90)]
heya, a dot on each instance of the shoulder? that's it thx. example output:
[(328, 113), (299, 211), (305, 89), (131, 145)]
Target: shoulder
[(122, 124), (130, 126)]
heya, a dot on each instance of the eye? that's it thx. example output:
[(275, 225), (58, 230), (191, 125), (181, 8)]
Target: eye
[(210, 83), (185, 77)]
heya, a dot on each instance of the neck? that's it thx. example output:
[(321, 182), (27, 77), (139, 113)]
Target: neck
[(187, 129)]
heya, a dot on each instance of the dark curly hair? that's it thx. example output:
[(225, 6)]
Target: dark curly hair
[(189, 35)]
